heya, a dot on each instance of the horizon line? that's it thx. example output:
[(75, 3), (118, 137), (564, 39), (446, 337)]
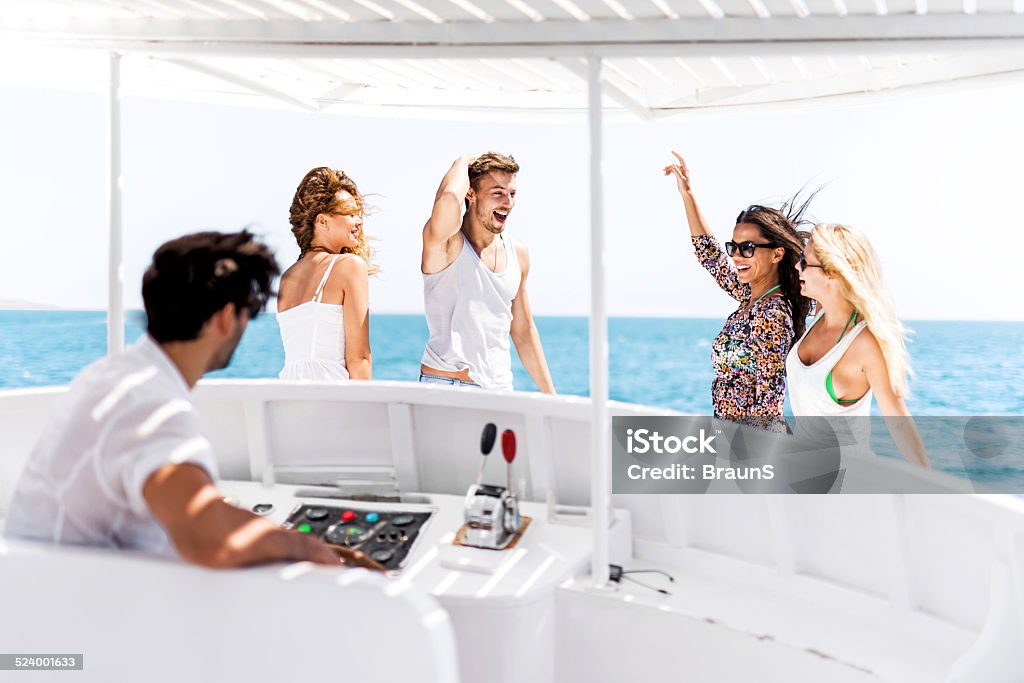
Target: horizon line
[(46, 308)]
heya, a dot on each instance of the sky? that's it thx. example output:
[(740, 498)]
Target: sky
[(932, 179)]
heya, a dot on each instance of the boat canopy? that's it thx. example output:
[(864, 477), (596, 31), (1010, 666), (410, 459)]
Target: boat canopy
[(527, 58)]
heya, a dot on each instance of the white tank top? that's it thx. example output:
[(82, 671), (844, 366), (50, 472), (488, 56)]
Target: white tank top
[(313, 334), (469, 315), (807, 392)]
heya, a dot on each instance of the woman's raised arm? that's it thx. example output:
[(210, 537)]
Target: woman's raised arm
[(698, 226), (709, 252)]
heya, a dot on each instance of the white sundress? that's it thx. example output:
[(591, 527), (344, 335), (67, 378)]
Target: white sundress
[(313, 334)]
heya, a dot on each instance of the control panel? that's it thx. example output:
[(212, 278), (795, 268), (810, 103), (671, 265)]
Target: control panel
[(385, 536)]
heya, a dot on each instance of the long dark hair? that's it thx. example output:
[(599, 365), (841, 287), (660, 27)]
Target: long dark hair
[(780, 227)]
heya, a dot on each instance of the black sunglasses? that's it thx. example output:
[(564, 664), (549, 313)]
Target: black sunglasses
[(257, 299), (746, 248), (804, 265)]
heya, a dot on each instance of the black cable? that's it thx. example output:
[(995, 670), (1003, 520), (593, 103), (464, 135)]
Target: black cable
[(616, 574), (647, 586), (650, 571)]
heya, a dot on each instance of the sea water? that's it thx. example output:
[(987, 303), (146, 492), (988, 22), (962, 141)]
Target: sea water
[(962, 368)]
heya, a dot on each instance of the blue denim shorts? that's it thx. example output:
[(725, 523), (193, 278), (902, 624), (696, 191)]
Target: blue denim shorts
[(450, 381)]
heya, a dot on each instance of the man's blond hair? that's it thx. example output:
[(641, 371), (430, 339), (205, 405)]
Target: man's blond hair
[(490, 162)]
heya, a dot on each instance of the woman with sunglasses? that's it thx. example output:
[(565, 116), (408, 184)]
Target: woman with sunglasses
[(749, 354), (856, 346), (322, 305)]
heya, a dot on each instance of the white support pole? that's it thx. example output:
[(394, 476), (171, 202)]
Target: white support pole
[(600, 436), (115, 264)]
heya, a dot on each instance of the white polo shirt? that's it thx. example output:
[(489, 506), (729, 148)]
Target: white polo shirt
[(123, 418)]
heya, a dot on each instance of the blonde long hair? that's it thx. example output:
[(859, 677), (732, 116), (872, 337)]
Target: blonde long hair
[(846, 255)]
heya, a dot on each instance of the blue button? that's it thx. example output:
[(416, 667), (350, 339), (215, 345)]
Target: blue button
[(372, 517)]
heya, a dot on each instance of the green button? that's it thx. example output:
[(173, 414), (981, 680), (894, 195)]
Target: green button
[(305, 528)]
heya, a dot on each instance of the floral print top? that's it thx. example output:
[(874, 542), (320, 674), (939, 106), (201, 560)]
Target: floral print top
[(749, 354)]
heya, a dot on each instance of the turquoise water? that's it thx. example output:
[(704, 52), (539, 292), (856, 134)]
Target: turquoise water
[(963, 368)]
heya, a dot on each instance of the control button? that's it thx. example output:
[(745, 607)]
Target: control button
[(372, 517), (382, 555), (316, 514), (305, 528), (335, 535), (263, 508), (355, 535), (393, 537), (348, 516), (402, 520)]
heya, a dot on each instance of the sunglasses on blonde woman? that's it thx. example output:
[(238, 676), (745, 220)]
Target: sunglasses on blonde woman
[(804, 265)]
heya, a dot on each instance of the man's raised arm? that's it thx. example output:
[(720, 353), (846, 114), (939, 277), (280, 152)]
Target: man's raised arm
[(446, 215)]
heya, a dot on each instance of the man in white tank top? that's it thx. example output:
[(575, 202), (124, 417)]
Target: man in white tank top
[(474, 281)]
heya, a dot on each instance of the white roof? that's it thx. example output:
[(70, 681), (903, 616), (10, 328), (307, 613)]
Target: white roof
[(660, 56)]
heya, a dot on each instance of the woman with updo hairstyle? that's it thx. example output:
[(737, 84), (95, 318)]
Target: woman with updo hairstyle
[(322, 303), (749, 354), (856, 345)]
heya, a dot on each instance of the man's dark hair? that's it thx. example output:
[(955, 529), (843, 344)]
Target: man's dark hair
[(194, 276)]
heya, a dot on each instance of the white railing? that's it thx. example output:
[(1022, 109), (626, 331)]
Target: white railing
[(958, 558)]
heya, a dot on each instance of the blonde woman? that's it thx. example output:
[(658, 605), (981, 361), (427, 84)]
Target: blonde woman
[(855, 347), (322, 305)]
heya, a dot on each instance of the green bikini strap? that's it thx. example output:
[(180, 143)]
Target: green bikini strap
[(828, 378), (767, 293), (853, 319)]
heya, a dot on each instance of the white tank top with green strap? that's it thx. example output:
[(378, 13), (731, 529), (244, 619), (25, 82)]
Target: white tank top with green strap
[(810, 385)]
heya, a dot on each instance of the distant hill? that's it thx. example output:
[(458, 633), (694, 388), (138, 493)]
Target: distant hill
[(19, 305)]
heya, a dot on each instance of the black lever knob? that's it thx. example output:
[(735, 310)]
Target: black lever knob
[(488, 438)]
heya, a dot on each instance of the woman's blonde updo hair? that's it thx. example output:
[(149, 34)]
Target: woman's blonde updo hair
[(846, 255), (317, 194)]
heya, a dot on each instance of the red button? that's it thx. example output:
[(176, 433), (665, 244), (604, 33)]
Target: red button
[(348, 516)]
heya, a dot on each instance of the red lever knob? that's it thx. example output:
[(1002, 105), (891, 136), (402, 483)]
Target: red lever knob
[(508, 445)]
